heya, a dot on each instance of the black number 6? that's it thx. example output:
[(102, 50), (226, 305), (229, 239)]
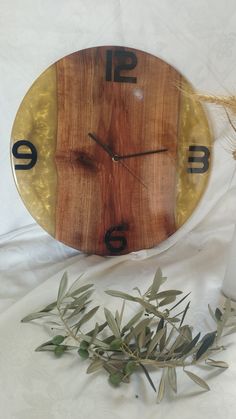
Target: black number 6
[(109, 239), (32, 155)]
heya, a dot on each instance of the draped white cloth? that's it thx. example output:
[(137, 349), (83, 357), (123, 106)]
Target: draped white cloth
[(199, 39)]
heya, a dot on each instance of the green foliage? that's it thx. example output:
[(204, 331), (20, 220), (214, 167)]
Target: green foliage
[(58, 339), (155, 337), (115, 378), (59, 350), (83, 353)]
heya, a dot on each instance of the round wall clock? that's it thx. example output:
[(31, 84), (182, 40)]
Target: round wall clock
[(108, 155)]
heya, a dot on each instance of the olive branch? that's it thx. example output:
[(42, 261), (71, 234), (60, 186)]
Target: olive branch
[(155, 336)]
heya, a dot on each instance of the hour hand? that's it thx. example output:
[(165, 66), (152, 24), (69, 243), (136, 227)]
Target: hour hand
[(104, 146)]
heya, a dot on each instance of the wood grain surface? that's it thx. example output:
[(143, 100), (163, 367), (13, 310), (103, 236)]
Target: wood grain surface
[(95, 193)]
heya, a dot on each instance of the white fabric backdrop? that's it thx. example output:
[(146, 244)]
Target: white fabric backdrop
[(199, 39)]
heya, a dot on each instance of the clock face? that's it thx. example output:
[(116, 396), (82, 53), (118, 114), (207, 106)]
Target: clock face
[(109, 155)]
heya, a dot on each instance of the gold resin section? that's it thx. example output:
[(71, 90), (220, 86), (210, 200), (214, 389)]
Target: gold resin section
[(193, 130), (36, 121)]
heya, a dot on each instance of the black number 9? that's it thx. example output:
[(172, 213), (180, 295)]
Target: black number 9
[(121, 241), (32, 156)]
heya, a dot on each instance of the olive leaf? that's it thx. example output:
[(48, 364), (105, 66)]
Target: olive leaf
[(62, 288), (197, 380), (75, 284), (163, 339), (132, 321), (83, 291), (179, 341), (35, 316), (169, 293), (184, 313), (97, 342), (99, 328), (160, 324), (140, 326), (191, 344), (161, 389), (218, 314), (150, 308), (157, 282), (117, 318), (212, 313), (207, 341), (167, 300), (169, 337), (49, 348), (112, 322), (148, 376), (219, 364), (120, 294), (86, 317), (179, 302), (94, 334), (223, 318), (155, 340), (78, 306), (95, 365), (172, 378), (49, 307)]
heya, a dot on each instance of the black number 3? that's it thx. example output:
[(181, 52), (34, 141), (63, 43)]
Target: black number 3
[(201, 160), (121, 241)]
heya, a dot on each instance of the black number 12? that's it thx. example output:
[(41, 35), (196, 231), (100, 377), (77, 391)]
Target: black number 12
[(125, 60)]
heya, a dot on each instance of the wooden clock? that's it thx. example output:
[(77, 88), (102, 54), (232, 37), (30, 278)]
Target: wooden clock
[(108, 155)]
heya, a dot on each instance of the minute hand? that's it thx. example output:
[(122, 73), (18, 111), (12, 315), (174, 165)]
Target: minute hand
[(127, 156)]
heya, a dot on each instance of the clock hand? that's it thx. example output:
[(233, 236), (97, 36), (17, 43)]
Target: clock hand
[(115, 157), (127, 156), (104, 146), (132, 173)]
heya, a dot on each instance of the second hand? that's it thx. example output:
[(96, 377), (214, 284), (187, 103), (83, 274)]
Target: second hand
[(132, 173)]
